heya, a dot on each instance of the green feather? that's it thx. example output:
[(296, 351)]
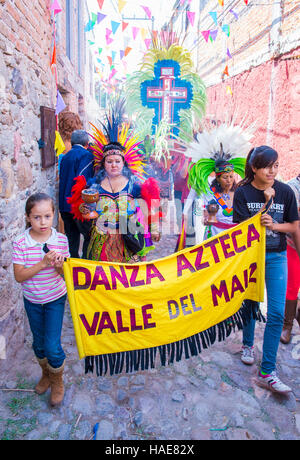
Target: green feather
[(199, 173)]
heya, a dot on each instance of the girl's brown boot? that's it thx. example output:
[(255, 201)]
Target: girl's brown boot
[(57, 385), (44, 382)]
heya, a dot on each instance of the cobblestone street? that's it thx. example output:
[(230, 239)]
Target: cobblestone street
[(212, 396)]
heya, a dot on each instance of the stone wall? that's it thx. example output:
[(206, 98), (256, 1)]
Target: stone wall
[(26, 84)]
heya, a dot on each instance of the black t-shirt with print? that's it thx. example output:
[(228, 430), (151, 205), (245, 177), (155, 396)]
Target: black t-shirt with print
[(248, 200)]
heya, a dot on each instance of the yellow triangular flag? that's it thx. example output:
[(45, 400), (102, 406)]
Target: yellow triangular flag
[(144, 33), (228, 90), (59, 145), (121, 4)]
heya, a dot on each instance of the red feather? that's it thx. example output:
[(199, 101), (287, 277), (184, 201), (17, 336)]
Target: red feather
[(75, 200), (150, 191)]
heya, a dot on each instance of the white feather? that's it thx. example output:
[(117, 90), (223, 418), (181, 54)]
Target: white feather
[(235, 140)]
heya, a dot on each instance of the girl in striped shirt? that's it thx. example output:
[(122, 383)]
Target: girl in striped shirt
[(38, 257)]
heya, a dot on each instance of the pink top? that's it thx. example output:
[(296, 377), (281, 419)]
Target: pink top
[(47, 285)]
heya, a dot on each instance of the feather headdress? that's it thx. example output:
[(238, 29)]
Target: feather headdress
[(227, 143), (165, 50), (114, 137)]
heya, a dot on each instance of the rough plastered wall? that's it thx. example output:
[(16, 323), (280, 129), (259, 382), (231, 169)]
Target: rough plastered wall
[(264, 75), (26, 83)]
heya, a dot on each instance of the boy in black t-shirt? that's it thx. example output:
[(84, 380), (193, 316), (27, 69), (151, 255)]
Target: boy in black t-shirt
[(257, 189)]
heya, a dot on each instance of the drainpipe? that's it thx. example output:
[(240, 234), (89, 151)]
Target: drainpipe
[(275, 39)]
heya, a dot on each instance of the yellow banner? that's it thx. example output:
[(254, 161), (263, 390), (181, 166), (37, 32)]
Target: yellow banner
[(118, 307)]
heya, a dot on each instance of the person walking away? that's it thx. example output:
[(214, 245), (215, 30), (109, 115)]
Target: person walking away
[(256, 190), (78, 161), (293, 284), (67, 123), (38, 257)]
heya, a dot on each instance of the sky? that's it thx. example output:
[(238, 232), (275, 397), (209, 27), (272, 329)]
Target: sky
[(116, 44)]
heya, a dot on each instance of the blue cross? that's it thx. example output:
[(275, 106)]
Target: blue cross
[(167, 94)]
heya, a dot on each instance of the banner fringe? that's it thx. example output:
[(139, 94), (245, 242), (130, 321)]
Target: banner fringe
[(136, 360)]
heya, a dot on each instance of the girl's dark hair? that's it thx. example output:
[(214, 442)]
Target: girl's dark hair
[(113, 146), (36, 198), (258, 157)]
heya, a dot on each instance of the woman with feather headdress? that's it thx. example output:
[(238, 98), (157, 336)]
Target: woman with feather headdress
[(221, 151), (117, 234)]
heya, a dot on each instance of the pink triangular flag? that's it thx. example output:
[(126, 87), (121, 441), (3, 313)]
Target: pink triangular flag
[(191, 17), (124, 25), (135, 31), (107, 32), (112, 73), (147, 42), (108, 40), (205, 34), (147, 11), (55, 7)]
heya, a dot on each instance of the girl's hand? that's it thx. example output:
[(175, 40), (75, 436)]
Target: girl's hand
[(269, 193), (58, 261), (49, 258), (267, 221)]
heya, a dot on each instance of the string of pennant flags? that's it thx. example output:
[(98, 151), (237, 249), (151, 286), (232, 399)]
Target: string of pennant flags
[(113, 27), (59, 145), (211, 34)]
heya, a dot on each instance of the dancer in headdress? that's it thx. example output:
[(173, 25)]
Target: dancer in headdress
[(120, 230), (221, 151)]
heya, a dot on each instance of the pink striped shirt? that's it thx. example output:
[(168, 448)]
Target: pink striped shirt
[(47, 285)]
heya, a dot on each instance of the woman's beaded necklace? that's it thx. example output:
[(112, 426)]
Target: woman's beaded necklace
[(220, 200)]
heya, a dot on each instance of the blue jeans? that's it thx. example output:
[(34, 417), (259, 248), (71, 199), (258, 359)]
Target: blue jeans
[(45, 322), (276, 284)]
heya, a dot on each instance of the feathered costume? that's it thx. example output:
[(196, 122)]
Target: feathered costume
[(167, 98), (167, 52), (112, 210), (230, 143), (218, 150)]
